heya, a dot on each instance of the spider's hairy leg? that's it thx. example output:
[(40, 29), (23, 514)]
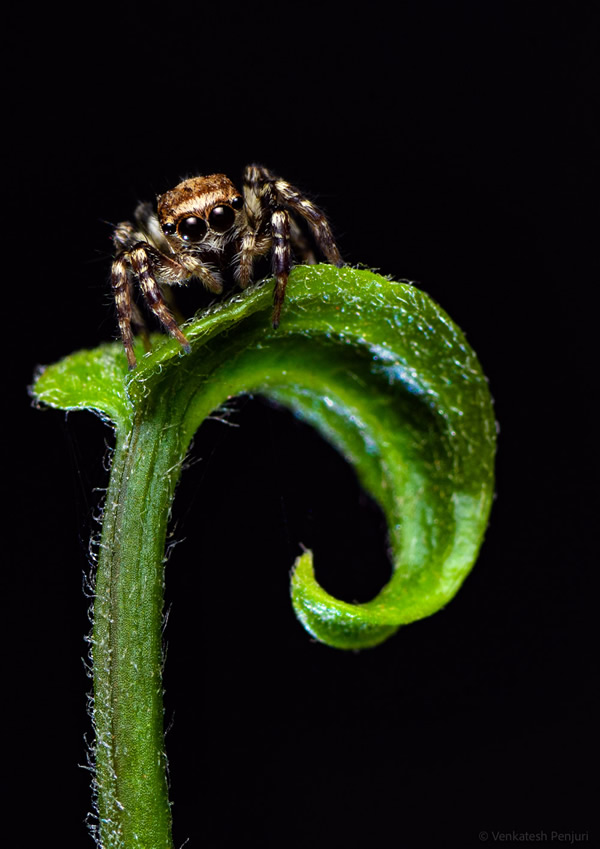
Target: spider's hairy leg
[(261, 185), (121, 285), (289, 196), (255, 240), (140, 264), (125, 236), (256, 176), (282, 259)]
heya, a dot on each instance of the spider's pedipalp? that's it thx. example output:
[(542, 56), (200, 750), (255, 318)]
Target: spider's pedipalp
[(190, 266), (246, 257)]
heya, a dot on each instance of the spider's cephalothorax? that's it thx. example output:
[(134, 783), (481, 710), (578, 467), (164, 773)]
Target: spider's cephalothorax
[(205, 227)]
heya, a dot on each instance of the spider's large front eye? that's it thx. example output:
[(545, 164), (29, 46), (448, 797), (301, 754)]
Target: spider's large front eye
[(192, 229), (221, 218)]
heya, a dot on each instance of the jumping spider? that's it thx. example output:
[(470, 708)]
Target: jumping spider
[(202, 228)]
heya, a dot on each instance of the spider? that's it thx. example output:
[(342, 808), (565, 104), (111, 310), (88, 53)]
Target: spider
[(204, 227)]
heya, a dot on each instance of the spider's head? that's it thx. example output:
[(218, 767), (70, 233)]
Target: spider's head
[(202, 211)]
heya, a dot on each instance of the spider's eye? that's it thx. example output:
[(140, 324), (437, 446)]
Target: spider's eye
[(192, 229), (221, 218), (168, 228), (238, 202)]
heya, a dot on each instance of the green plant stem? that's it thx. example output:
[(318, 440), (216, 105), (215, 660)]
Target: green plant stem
[(133, 806)]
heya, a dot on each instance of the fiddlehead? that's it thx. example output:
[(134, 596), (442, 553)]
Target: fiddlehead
[(384, 374)]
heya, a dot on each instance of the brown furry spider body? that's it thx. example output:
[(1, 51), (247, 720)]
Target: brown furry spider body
[(205, 227)]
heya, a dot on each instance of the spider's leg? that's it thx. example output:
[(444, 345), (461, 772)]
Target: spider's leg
[(125, 236), (121, 285), (140, 265), (255, 240), (256, 176), (282, 259), (288, 196)]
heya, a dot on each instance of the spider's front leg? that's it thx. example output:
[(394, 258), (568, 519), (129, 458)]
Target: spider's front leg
[(282, 259), (121, 286), (149, 266)]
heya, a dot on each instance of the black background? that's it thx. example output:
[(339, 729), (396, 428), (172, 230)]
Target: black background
[(449, 143)]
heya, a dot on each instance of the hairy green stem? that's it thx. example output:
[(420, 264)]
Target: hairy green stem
[(133, 806)]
